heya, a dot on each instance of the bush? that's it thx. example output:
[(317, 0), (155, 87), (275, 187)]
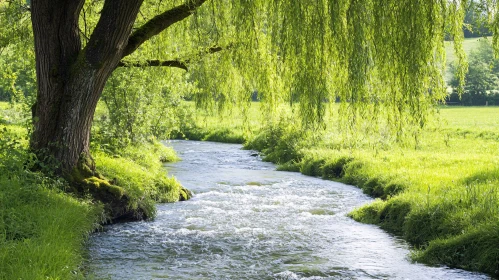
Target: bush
[(279, 142)]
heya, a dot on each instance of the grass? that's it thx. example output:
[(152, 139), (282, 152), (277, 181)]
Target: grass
[(139, 171), (43, 228), (227, 126), (441, 194), (42, 231)]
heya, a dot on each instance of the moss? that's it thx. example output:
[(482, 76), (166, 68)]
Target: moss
[(85, 181), (103, 186), (184, 194), (96, 182), (92, 182)]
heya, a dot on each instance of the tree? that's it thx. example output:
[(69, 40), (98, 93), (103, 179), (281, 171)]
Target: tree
[(476, 20), (71, 78), (368, 54), (17, 59), (482, 78)]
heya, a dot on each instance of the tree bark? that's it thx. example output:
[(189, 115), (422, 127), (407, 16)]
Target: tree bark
[(71, 79)]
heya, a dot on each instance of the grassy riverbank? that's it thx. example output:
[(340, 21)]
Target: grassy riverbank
[(440, 193), (43, 228)]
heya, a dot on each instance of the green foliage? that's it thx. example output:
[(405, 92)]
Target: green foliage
[(230, 126), (279, 142), (224, 135), (357, 52), (137, 111), (475, 249), (43, 229), (482, 78), (381, 59), (17, 76), (335, 168), (476, 20)]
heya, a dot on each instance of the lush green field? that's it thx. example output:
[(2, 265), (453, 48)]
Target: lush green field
[(441, 194), (43, 228)]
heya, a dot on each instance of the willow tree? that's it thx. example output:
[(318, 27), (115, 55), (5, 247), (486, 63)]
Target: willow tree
[(368, 54)]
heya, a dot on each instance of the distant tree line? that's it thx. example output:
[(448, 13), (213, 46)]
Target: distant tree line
[(482, 79), (476, 21)]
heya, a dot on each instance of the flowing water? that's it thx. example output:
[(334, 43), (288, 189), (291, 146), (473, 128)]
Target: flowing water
[(248, 221)]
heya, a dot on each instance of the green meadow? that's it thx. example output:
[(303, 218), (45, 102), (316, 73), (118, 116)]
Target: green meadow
[(441, 193), (469, 44)]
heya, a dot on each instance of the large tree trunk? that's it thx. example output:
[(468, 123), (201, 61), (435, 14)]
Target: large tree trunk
[(71, 79), (70, 82)]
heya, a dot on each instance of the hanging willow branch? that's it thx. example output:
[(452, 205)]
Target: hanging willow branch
[(383, 60)]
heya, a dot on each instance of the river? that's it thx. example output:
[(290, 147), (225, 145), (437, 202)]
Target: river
[(248, 221)]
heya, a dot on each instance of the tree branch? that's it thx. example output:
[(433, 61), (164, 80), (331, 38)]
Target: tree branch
[(159, 23), (106, 45), (155, 63), (182, 64)]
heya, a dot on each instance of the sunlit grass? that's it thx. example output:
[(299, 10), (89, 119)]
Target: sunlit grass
[(139, 171), (42, 229), (469, 44)]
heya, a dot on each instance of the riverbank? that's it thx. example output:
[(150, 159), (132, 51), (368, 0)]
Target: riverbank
[(440, 192), (43, 228), (280, 225)]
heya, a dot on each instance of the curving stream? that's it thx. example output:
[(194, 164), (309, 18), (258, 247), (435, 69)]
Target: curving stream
[(247, 221)]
